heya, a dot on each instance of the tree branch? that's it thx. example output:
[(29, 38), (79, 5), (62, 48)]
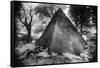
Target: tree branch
[(22, 16), (22, 22), (31, 17)]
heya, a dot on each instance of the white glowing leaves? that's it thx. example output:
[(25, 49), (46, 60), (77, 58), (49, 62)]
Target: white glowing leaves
[(66, 11)]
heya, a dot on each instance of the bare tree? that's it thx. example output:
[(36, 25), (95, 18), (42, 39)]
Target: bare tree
[(26, 19)]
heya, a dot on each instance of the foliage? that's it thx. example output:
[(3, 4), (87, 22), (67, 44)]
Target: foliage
[(46, 10), (82, 15)]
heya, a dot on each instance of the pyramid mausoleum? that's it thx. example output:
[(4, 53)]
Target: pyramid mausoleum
[(61, 36)]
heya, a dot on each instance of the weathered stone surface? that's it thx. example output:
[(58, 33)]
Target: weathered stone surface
[(61, 36)]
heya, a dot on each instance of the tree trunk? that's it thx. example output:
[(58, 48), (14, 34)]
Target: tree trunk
[(81, 28), (29, 38), (76, 25)]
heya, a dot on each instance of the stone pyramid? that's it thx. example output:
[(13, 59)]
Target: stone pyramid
[(60, 36)]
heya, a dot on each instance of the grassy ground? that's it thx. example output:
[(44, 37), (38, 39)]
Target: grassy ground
[(43, 58)]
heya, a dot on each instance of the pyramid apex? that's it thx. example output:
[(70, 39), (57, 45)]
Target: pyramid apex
[(60, 9), (59, 12)]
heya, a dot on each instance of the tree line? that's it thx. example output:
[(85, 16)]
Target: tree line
[(81, 15)]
